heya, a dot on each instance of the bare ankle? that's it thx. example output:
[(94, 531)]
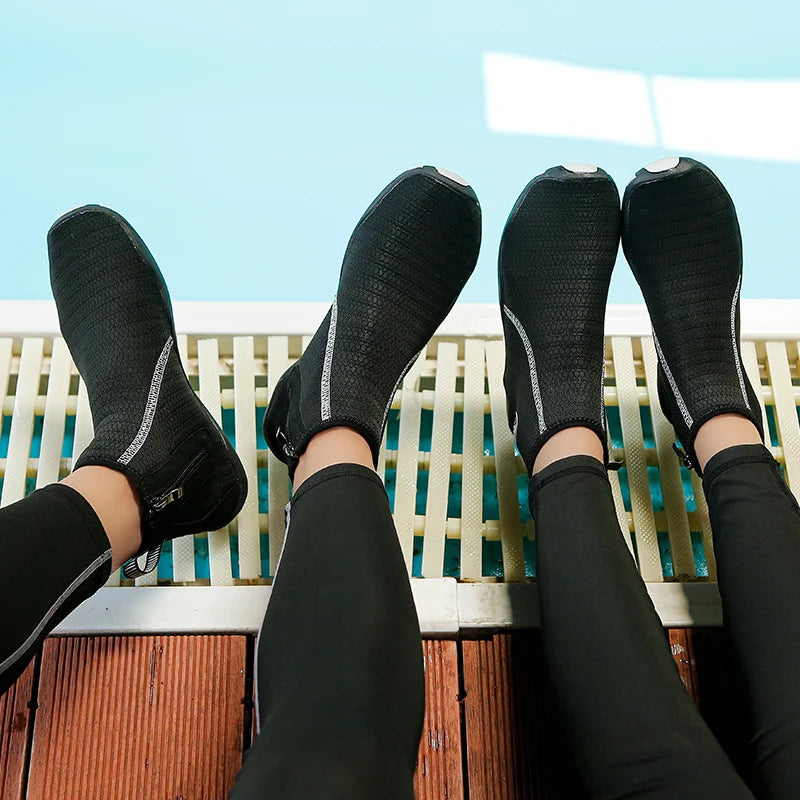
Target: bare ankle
[(116, 504), (333, 446), (576, 441), (724, 430)]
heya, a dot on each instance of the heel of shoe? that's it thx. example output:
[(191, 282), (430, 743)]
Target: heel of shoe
[(276, 419)]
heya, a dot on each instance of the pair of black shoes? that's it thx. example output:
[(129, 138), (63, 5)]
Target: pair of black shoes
[(681, 238), (405, 265)]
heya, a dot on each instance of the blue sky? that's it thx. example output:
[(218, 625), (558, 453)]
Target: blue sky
[(243, 140)]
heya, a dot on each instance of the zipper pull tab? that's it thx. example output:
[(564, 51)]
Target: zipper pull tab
[(160, 503), (288, 450), (685, 458)]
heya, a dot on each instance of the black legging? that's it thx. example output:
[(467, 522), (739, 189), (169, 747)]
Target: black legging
[(340, 681), (632, 728), (340, 677)]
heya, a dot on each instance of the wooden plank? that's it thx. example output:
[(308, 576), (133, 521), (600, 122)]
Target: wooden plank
[(183, 547), (439, 763), (147, 717), (635, 460), (55, 414), (505, 459), (219, 542), (15, 724), (785, 412), (22, 422), (750, 359), (439, 466), (245, 416), (277, 472), (472, 461), (705, 665), (669, 473), (515, 750), (405, 491)]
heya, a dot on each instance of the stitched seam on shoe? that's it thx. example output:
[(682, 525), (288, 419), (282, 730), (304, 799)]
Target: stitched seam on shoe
[(325, 389), (687, 417), (603, 395), (150, 407), (736, 344), (537, 397), (87, 572)]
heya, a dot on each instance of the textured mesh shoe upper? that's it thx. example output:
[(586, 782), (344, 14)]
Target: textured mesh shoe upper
[(681, 237), (406, 263), (556, 257), (116, 318)]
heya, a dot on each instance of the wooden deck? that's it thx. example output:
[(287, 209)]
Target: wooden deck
[(155, 717)]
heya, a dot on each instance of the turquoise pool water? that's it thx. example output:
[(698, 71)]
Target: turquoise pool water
[(492, 556), (244, 140)]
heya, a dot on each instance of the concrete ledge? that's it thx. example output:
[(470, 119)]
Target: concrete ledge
[(444, 607)]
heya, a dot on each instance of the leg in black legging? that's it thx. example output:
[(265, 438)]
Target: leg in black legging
[(756, 526), (632, 728), (340, 678)]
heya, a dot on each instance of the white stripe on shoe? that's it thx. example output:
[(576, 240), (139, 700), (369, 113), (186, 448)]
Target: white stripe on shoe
[(687, 417), (537, 396), (736, 344), (150, 407), (325, 389)]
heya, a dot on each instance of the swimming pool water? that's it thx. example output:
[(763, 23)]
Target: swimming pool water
[(492, 549)]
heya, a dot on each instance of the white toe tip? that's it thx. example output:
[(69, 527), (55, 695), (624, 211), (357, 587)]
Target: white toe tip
[(580, 169), (663, 164), (456, 178)]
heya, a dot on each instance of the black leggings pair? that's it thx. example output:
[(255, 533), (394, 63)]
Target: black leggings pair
[(340, 680)]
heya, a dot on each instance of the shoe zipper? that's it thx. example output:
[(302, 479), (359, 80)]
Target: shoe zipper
[(131, 568), (160, 502), (685, 458)]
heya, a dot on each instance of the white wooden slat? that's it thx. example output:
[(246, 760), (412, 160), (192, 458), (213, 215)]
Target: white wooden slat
[(83, 434), (244, 384), (439, 466), (505, 459), (183, 570), (219, 545), (619, 503), (750, 359), (405, 492), (635, 461), (785, 412), (55, 414), (6, 346), (381, 468), (705, 525), (22, 421), (278, 475), (680, 538), (472, 461), (84, 428)]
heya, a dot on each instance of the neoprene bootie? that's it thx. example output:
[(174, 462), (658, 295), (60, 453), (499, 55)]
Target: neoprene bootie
[(556, 257), (116, 317), (681, 237), (406, 263)]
